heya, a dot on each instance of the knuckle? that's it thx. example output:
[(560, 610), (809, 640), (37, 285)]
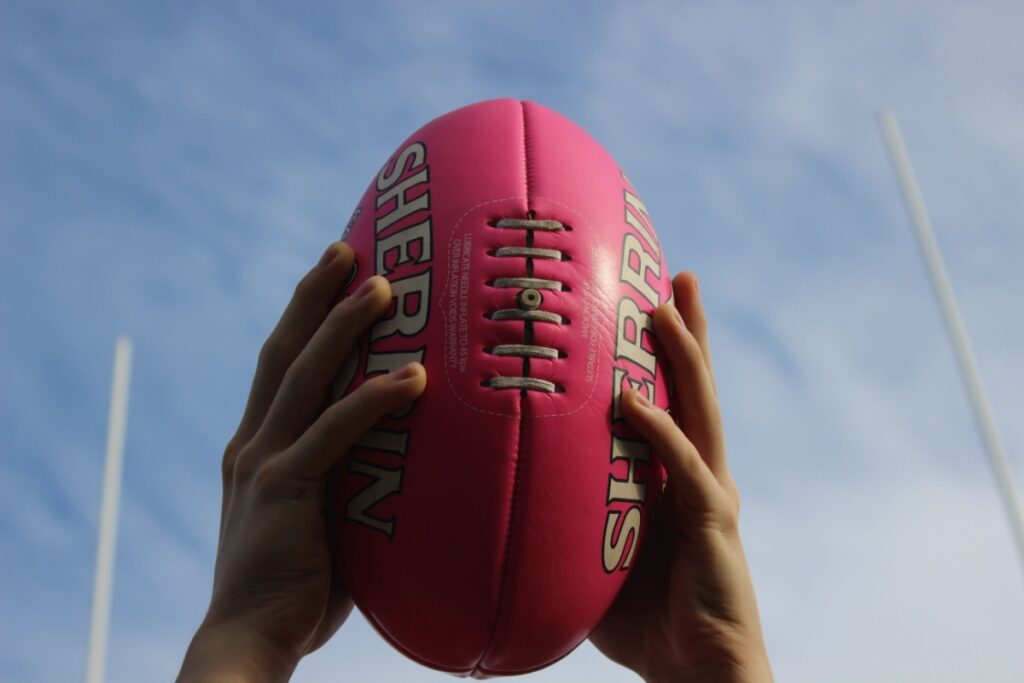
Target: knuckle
[(699, 325), (306, 290), (227, 463), (343, 323), (342, 316), (375, 394), (300, 379), (273, 481), (664, 424), (278, 353), (266, 478), (734, 497), (665, 417), (294, 373), (272, 352), (382, 387), (690, 345), (227, 469), (246, 462)]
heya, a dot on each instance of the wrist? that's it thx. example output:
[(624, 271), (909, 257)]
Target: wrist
[(731, 672), (746, 665), (234, 655)]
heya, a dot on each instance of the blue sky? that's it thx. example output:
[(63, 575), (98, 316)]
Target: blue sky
[(170, 173)]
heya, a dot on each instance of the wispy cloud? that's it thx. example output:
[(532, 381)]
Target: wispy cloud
[(171, 172)]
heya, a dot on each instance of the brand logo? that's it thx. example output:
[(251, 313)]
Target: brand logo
[(404, 251), (634, 368)]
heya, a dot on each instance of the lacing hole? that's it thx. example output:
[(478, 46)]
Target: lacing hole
[(563, 354), (559, 389), (566, 257), (566, 288), (488, 315)]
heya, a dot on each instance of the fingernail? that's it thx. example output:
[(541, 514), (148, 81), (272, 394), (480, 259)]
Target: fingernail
[(696, 285), (405, 372), (641, 399), (327, 257), (365, 288)]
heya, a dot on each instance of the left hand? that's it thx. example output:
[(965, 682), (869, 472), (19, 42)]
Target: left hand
[(276, 594)]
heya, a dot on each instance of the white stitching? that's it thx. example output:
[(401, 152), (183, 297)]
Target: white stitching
[(444, 313)]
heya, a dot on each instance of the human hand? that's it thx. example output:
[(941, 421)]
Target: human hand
[(688, 611), (276, 594)]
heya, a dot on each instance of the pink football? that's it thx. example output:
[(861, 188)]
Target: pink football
[(486, 529)]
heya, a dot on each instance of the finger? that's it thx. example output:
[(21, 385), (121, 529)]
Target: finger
[(686, 292), (304, 388), (694, 392), (688, 474), (341, 425), (312, 300), (339, 600)]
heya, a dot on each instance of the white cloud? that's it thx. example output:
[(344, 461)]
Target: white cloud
[(914, 579), (175, 174)]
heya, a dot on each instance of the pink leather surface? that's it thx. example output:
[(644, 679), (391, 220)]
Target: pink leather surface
[(493, 556)]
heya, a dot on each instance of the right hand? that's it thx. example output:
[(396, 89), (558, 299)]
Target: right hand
[(687, 613)]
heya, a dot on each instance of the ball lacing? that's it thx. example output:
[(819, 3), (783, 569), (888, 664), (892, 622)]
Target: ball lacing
[(529, 300)]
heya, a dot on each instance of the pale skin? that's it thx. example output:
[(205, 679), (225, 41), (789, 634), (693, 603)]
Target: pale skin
[(687, 613)]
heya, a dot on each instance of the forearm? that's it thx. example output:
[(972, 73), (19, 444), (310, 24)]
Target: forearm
[(227, 656)]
